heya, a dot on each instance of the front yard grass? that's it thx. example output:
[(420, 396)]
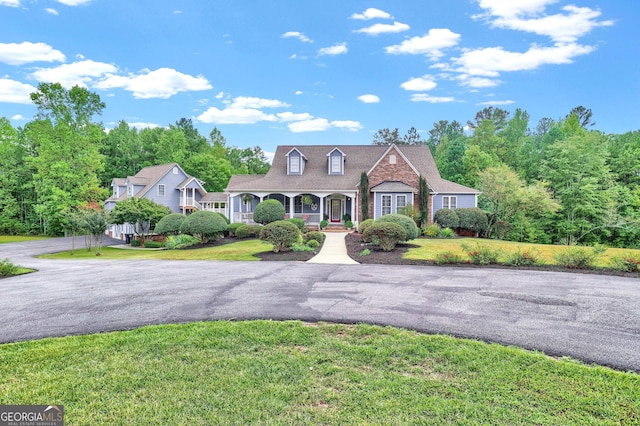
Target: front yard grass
[(429, 248), (264, 372), (5, 239)]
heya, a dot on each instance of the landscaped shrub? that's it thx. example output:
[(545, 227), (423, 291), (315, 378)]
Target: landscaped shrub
[(204, 224), (226, 219), (431, 231), (170, 224), (348, 224), (473, 219), (446, 233), (231, 228), (297, 222), (523, 258), (363, 225), (7, 268), (136, 243), (243, 231), (314, 235), (324, 223), (406, 222), (385, 234), (626, 263), (301, 247), (482, 254), (365, 252), (153, 244), (281, 233), (181, 241), (314, 244), (268, 211), (576, 257), (446, 218), (448, 258)]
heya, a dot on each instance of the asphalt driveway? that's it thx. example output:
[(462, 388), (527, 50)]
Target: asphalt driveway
[(593, 318)]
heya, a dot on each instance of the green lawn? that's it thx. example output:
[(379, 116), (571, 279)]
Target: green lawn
[(4, 239), (263, 372)]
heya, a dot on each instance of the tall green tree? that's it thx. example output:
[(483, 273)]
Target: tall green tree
[(364, 190), (123, 152), (141, 213)]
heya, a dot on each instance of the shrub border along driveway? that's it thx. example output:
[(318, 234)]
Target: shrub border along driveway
[(589, 317)]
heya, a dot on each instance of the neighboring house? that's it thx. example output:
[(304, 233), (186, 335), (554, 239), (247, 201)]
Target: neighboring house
[(316, 182), (166, 184)]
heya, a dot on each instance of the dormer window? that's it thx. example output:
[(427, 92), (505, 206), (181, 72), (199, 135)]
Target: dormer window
[(392, 159), (295, 162), (336, 162)]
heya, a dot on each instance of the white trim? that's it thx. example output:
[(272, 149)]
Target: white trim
[(405, 200), (382, 206), (164, 190)]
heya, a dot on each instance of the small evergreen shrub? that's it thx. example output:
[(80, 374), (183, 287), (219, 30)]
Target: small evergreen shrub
[(153, 244), (446, 233), (481, 254), (170, 224), (324, 223), (297, 222), (473, 219), (268, 211), (446, 218), (577, 257), (626, 263), (365, 252), (175, 242), (301, 247), (385, 234), (348, 224), (523, 258), (448, 258), (364, 224), (313, 244), (314, 235), (431, 231), (204, 224), (406, 222), (231, 228), (226, 219), (281, 234), (136, 243), (243, 231), (7, 268)]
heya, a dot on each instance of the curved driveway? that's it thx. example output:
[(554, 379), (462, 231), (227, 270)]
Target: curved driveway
[(593, 318)]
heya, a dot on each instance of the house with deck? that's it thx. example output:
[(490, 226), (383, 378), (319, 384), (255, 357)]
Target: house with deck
[(316, 182)]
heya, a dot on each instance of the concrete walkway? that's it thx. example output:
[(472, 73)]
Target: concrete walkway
[(334, 250)]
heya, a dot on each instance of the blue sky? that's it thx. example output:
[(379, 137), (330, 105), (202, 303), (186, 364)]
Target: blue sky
[(324, 72)]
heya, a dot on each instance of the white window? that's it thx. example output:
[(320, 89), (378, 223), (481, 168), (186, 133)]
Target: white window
[(386, 204), (175, 170), (449, 202), (392, 159), (401, 202), (161, 190), (294, 164), (130, 190), (336, 161)]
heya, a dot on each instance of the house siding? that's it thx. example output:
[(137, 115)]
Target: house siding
[(171, 197), (463, 201)]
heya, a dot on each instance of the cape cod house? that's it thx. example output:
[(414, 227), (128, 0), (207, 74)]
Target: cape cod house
[(168, 185), (316, 182)]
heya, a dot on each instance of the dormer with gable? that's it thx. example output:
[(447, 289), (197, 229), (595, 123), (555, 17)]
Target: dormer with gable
[(295, 162), (335, 162)]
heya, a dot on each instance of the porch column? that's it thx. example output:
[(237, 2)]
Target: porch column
[(291, 206), (321, 210), (353, 211)]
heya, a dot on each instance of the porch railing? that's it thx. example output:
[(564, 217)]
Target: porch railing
[(190, 202)]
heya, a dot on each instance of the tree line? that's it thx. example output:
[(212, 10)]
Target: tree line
[(561, 183), (63, 159)]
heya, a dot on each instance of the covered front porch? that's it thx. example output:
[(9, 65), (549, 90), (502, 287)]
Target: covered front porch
[(334, 207)]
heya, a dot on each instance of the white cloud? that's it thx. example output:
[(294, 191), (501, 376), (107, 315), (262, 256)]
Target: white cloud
[(490, 61), (220, 95), (10, 3), (337, 49), (350, 125), (419, 84), (299, 92), (396, 27), (477, 82), (494, 103), (529, 16), (371, 13), (257, 103), (298, 35), (17, 117), (14, 92), (161, 83), (51, 10), (314, 125), (141, 125), (423, 97), (290, 116), (234, 115), (74, 2), (78, 73), (369, 99), (430, 44), (25, 52)]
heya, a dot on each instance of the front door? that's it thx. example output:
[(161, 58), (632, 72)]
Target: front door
[(336, 210)]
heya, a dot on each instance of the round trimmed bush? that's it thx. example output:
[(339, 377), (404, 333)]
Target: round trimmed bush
[(204, 224), (231, 228), (473, 219), (446, 218), (385, 234), (297, 222), (243, 231), (313, 244), (226, 219), (363, 225), (170, 224), (281, 233), (268, 211), (406, 222), (314, 235)]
